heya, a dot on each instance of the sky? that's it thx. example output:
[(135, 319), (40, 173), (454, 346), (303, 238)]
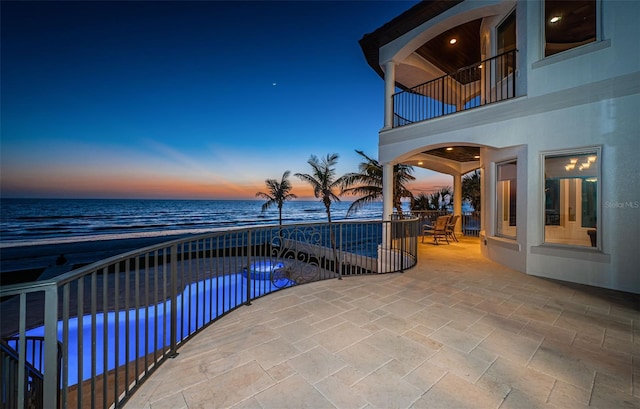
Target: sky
[(185, 100)]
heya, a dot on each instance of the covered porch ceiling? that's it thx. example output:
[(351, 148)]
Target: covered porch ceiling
[(451, 160), (457, 153), (443, 54), (455, 48)]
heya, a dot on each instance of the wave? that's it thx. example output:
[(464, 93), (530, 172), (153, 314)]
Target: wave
[(50, 221), (61, 217), (101, 237)]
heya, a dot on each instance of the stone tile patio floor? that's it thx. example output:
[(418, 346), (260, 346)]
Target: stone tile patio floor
[(456, 331)]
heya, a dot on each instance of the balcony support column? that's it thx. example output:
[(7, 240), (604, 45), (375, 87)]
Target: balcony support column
[(386, 254), (457, 200), (389, 90), (387, 191)]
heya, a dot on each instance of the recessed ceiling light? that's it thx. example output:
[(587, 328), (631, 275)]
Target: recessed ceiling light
[(449, 149), (453, 41), (476, 157), (480, 66), (554, 19), (420, 163)]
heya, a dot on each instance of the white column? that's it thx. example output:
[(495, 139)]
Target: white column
[(457, 200), (389, 90), (387, 191), (385, 251)]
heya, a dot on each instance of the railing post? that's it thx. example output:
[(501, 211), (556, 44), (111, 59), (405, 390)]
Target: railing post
[(50, 393), (173, 333), (248, 275), (22, 351), (339, 246), (513, 76), (403, 242), (442, 96)]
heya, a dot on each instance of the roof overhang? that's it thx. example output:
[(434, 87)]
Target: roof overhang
[(405, 22)]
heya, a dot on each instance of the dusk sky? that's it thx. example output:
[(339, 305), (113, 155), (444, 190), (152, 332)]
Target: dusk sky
[(193, 100)]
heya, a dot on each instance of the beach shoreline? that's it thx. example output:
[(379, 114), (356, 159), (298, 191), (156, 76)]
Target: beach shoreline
[(28, 263)]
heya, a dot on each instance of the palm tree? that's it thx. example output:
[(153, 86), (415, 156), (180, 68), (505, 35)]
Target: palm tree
[(323, 180), (277, 193), (444, 192), (421, 202), (471, 189), (369, 183), (438, 200)]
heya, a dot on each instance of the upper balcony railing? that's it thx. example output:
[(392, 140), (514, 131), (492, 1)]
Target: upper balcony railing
[(107, 326), (484, 83)]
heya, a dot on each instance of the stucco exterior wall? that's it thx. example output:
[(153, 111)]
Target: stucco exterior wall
[(585, 97)]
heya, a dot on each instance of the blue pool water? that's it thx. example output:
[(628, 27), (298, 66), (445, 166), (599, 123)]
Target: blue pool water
[(197, 305)]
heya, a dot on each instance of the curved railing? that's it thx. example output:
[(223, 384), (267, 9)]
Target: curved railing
[(118, 319)]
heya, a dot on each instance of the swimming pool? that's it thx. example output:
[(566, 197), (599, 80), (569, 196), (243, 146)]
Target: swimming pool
[(128, 335)]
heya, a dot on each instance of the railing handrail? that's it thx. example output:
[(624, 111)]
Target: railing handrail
[(485, 82), (79, 272), (451, 74)]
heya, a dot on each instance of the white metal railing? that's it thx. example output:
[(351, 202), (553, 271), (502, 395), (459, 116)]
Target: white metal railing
[(118, 319)]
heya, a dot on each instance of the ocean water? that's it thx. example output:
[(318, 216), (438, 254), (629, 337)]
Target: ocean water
[(26, 222)]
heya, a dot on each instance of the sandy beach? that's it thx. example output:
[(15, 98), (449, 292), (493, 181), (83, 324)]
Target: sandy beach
[(29, 263)]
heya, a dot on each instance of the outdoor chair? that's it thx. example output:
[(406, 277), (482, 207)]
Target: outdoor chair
[(438, 230), (451, 227)]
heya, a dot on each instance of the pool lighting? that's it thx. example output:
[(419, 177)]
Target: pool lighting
[(263, 270)]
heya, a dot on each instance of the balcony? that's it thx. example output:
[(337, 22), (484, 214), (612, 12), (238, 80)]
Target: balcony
[(486, 82), (90, 337)]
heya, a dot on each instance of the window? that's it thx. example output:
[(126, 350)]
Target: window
[(571, 198), (506, 199), (568, 24), (506, 43), (507, 34)]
